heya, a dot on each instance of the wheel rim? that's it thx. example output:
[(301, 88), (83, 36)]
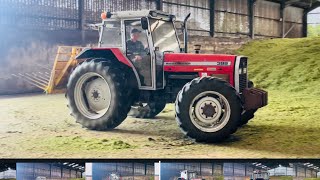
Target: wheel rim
[(92, 95), (210, 111)]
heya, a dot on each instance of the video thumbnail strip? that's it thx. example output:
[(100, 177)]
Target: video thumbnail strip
[(123, 171), (50, 170), (162, 170)]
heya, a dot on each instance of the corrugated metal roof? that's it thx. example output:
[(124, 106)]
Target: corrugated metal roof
[(133, 14)]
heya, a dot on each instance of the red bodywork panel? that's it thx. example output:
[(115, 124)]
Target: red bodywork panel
[(204, 64), (119, 55)]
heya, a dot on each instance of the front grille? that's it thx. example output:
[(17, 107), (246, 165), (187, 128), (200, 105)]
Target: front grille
[(243, 77)]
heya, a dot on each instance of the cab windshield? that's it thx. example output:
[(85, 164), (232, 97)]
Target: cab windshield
[(164, 35)]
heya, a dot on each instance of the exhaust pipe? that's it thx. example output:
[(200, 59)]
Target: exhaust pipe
[(185, 33)]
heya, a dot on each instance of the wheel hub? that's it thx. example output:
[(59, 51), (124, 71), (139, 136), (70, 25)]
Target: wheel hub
[(208, 110), (92, 95), (95, 94)]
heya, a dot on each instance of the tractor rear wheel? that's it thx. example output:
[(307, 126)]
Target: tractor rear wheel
[(147, 110), (97, 95), (208, 109)]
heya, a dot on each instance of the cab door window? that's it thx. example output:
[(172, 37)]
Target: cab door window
[(110, 34), (138, 52)]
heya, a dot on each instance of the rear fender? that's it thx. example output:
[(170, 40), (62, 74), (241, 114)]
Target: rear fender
[(113, 54)]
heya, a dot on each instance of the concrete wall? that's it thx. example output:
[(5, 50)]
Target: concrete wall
[(217, 45), (32, 51)]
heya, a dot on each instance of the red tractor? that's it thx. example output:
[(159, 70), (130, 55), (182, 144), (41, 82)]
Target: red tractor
[(140, 65), (260, 175), (188, 175)]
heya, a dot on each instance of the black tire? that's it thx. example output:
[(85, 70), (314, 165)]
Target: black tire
[(120, 102), (193, 89), (147, 111), (247, 115)]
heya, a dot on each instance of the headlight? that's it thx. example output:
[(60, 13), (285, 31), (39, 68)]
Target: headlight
[(243, 70)]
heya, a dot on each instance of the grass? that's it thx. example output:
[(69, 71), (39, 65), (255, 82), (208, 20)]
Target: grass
[(78, 143), (289, 69), (290, 65), (281, 177)]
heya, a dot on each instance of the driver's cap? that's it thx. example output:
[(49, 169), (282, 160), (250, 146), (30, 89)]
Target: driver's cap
[(135, 31)]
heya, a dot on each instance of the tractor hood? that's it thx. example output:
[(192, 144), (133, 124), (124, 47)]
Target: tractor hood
[(185, 62)]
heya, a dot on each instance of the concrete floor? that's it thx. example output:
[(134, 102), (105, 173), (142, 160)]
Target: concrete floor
[(39, 126)]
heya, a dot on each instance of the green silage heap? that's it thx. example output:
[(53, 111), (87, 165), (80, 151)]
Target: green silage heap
[(291, 65)]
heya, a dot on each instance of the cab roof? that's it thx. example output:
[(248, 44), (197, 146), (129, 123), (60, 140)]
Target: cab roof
[(137, 14)]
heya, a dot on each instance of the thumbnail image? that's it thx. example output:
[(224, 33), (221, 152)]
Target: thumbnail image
[(50, 171), (121, 171), (159, 79), (7, 171), (239, 171)]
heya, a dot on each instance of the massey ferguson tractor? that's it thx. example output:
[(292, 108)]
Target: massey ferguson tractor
[(140, 65), (260, 175), (114, 176), (188, 175)]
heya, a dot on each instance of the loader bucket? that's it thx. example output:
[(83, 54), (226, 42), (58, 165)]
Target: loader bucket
[(64, 63), (56, 81)]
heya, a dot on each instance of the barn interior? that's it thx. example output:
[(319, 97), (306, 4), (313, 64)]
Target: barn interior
[(121, 170), (50, 171), (274, 34), (241, 170)]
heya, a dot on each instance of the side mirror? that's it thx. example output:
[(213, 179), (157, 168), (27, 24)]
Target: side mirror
[(144, 23)]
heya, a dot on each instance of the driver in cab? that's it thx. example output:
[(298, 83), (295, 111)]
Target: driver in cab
[(135, 47)]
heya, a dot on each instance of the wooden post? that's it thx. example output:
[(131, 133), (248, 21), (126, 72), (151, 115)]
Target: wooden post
[(212, 16), (251, 10), (81, 20), (305, 24), (282, 11), (159, 5)]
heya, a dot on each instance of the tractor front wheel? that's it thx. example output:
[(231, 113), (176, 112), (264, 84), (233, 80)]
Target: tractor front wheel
[(208, 109), (97, 95)]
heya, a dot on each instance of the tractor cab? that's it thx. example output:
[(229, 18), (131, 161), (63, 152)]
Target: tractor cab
[(143, 37)]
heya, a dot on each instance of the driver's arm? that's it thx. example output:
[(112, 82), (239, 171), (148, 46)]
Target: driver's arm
[(140, 52)]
